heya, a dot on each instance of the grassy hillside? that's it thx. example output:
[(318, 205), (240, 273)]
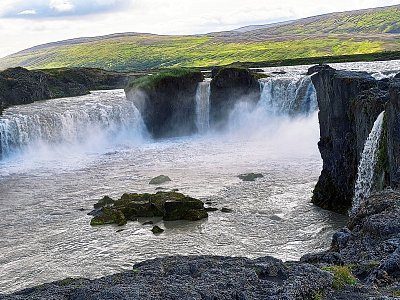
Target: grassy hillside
[(359, 32)]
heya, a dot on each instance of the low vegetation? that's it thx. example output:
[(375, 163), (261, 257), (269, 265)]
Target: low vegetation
[(342, 276)]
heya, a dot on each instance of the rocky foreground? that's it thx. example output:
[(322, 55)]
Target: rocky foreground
[(363, 263)]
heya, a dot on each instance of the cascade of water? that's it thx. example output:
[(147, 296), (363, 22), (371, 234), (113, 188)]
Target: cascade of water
[(288, 95), (70, 120), (366, 167), (203, 106)]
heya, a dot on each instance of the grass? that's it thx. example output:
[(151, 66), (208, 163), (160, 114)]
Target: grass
[(351, 34), (147, 82), (139, 53), (342, 276)]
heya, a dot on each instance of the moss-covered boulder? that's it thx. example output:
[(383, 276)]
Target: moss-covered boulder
[(167, 101), (171, 206), (184, 209), (105, 201), (160, 180), (109, 216)]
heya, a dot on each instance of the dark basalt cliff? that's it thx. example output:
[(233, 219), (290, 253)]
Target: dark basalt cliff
[(167, 102), (230, 86), (349, 104), (392, 138), (21, 86)]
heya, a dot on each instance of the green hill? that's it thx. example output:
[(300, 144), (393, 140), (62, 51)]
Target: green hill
[(348, 33)]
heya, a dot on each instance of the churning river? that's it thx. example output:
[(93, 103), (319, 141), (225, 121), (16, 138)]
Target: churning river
[(61, 156)]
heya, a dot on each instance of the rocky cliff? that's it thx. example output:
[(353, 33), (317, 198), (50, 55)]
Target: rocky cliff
[(167, 102), (393, 135), (230, 86), (21, 86), (349, 103)]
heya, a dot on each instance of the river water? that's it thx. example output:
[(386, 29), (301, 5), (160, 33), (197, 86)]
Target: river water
[(96, 145)]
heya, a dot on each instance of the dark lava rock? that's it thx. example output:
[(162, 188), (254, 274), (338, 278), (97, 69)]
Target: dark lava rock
[(195, 278), (157, 230), (250, 176), (211, 209), (370, 244), (393, 135), (226, 210), (397, 76), (229, 87), (279, 72), (318, 68), (167, 102), (105, 201), (160, 179), (170, 206)]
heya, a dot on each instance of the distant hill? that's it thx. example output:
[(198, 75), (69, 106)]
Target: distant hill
[(346, 33)]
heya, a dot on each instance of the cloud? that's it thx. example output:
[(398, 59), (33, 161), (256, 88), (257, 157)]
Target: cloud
[(58, 8), (28, 12), (61, 5)]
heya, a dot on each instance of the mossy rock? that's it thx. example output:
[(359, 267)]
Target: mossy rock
[(250, 176), (160, 180), (171, 206), (178, 209), (109, 216), (196, 214), (105, 201)]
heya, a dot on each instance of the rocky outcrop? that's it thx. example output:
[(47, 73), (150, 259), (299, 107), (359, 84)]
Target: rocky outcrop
[(369, 246), (349, 103), (171, 206), (167, 102), (230, 86), (21, 86), (194, 278), (393, 135)]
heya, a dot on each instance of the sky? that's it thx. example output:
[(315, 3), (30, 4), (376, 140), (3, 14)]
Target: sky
[(26, 23)]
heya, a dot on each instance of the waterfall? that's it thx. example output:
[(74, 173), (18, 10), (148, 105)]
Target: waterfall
[(288, 95), (366, 167), (100, 115), (203, 106)]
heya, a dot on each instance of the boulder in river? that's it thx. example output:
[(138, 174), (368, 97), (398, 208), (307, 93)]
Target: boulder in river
[(157, 230), (171, 206), (250, 176), (160, 180)]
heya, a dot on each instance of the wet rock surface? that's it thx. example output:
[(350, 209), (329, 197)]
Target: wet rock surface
[(230, 86), (167, 102)]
